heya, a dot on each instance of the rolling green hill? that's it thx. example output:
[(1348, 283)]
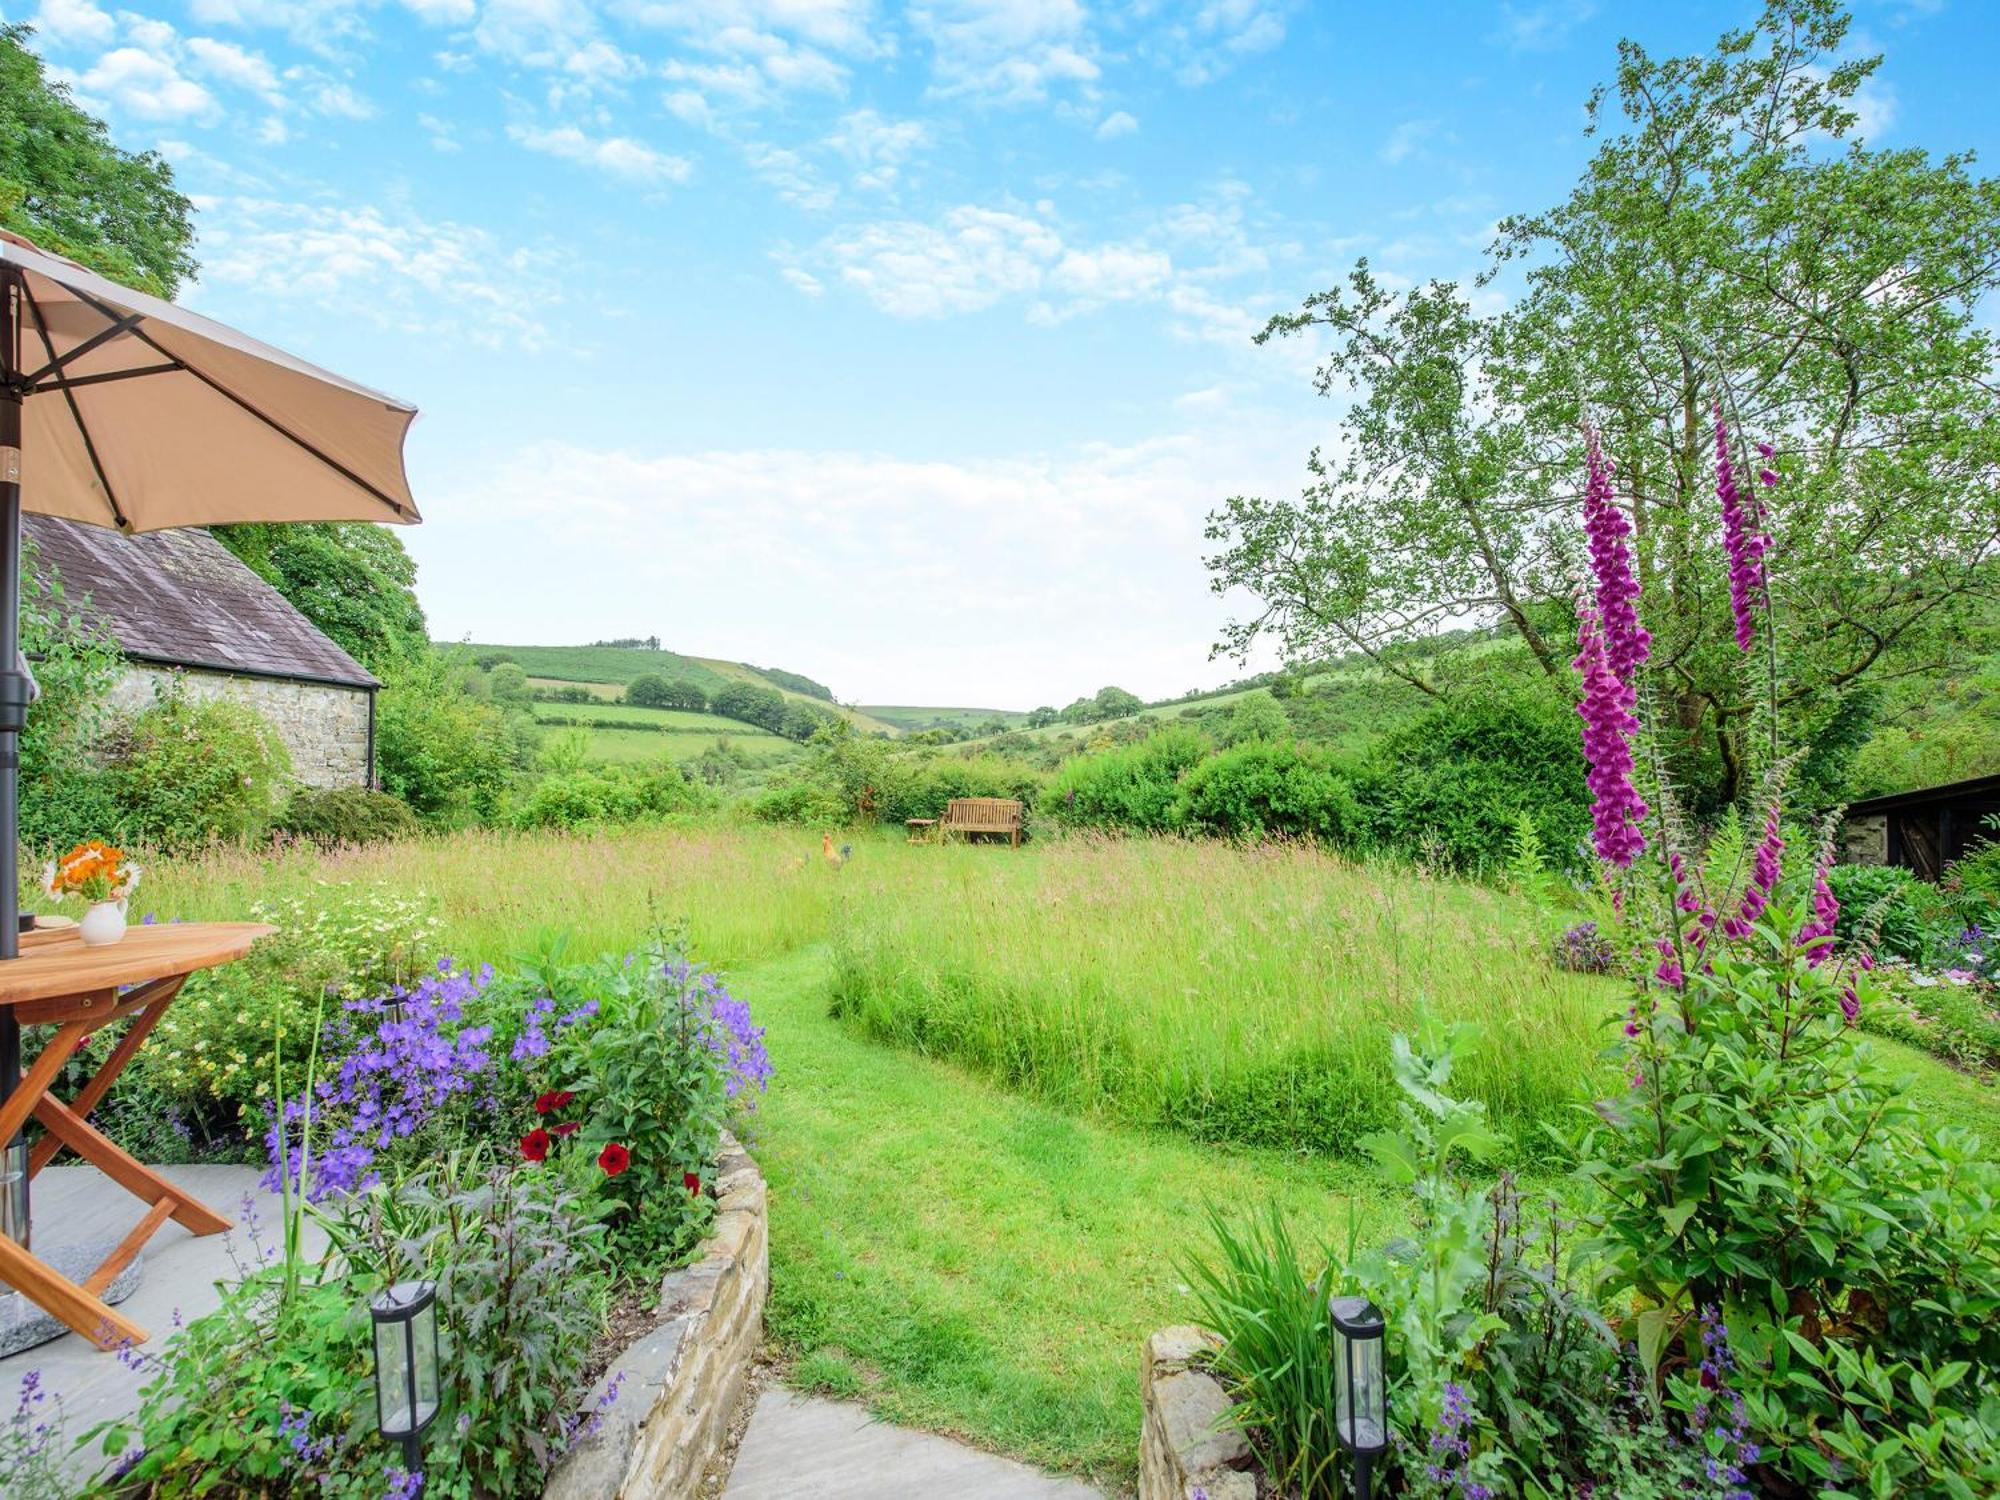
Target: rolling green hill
[(914, 720), (607, 669)]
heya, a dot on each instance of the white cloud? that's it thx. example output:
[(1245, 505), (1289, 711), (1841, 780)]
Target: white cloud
[(1543, 27), (435, 278), (1006, 51), (803, 281), (441, 12), (877, 147), (1405, 140), (1115, 124), (795, 178), (534, 33), (844, 26), (74, 21), (443, 134), (618, 155), (225, 62), (146, 85), (970, 260), (1219, 34)]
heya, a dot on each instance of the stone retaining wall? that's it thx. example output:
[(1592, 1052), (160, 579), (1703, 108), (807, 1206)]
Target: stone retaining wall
[(324, 727), (1187, 1449), (681, 1381)]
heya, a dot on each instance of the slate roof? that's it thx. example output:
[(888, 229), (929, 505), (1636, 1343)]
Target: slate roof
[(181, 598)]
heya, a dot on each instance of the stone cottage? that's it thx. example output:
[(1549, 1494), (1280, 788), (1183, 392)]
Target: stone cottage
[(180, 601)]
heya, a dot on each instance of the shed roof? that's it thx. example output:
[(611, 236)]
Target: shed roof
[(1950, 791), (181, 598)]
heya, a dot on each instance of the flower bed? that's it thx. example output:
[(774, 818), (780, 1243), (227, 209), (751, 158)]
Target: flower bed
[(667, 1397), (538, 1145)]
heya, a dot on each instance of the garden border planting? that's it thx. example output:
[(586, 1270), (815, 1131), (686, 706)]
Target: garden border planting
[(678, 1383), (1187, 1449)]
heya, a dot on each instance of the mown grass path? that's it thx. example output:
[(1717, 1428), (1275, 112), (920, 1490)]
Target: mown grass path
[(975, 1263)]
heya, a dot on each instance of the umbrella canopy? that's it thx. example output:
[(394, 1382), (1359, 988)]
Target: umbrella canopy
[(141, 415)]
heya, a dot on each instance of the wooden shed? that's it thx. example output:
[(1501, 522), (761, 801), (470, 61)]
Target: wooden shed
[(1924, 830)]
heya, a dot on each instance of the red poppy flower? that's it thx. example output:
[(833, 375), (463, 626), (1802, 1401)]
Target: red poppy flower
[(535, 1145), (553, 1100), (691, 1182), (568, 1127), (614, 1158)]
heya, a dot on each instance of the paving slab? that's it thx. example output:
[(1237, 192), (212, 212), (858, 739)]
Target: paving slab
[(74, 1205), (808, 1448)]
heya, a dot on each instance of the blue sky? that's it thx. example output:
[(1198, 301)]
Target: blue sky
[(901, 345)]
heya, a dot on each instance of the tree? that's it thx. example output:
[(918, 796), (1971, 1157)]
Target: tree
[(762, 706), (1257, 716), (446, 753), (649, 690), (353, 579), (65, 186), (1733, 245), (1042, 717), (507, 683)]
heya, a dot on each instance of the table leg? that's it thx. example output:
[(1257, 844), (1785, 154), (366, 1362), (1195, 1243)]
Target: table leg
[(93, 1092), (62, 1298), (128, 1172)]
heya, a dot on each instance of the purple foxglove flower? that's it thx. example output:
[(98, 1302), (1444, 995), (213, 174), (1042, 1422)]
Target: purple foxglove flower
[(1741, 540), (1605, 527), (1608, 723)]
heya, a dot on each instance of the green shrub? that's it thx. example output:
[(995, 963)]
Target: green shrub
[(609, 794), (1456, 780), (1133, 788), (189, 771), (1266, 787), (800, 802), (1878, 910), (445, 752), (346, 815)]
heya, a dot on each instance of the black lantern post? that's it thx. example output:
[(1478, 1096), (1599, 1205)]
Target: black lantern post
[(406, 1365), (1360, 1396)]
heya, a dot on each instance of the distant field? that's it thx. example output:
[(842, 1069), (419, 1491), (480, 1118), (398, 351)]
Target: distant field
[(913, 720), (605, 670), (634, 747), (614, 713)]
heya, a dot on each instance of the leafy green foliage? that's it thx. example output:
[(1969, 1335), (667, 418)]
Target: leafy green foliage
[(65, 797), (332, 816), (441, 749), (794, 682), (523, 1280), (654, 691), (190, 770), (1133, 788), (1758, 1163), (577, 797), (1257, 716), (1265, 788), (65, 186), (1462, 776)]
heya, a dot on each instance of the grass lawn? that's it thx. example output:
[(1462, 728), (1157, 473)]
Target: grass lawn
[(959, 1252), (638, 747), (978, 1263)]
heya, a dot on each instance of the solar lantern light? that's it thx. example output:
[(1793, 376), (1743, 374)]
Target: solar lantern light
[(406, 1365), (1360, 1396)]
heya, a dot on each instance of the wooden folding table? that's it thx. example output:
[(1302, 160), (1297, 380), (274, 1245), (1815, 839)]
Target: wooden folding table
[(58, 980)]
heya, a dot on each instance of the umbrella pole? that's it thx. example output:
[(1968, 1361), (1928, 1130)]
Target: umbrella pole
[(13, 716)]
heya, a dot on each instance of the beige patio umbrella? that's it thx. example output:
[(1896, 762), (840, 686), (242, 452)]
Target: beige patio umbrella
[(122, 410)]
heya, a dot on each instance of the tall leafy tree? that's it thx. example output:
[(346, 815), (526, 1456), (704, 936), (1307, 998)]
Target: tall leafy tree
[(1731, 243), (64, 185)]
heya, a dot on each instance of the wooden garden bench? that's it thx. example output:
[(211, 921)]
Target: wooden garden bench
[(969, 815)]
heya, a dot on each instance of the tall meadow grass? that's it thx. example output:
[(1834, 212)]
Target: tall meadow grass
[(1243, 995), (747, 894)]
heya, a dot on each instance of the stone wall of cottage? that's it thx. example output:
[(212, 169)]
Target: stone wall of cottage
[(324, 727)]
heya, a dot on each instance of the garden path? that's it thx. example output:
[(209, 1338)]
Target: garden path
[(808, 1448), (77, 1204)]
